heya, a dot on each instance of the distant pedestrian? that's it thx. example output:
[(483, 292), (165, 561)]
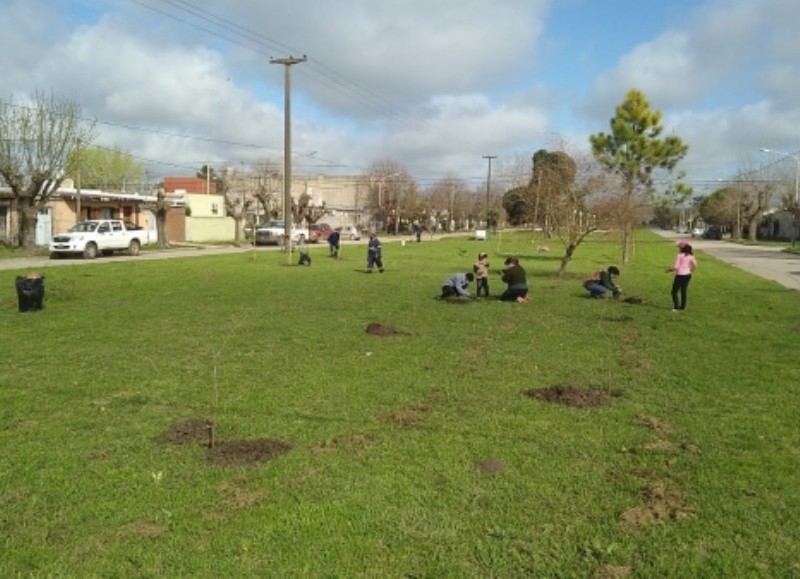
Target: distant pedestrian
[(456, 285), (684, 266), (481, 270), (417, 228), (374, 253), (333, 243), (516, 278)]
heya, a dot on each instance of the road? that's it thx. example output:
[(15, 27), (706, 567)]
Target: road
[(769, 262)]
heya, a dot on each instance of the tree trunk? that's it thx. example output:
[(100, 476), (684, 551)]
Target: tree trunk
[(567, 257), (26, 221)]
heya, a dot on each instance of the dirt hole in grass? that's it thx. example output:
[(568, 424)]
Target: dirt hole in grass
[(662, 504), (191, 431), (574, 396), (633, 300), (223, 452), (491, 466), (376, 329), (245, 452)]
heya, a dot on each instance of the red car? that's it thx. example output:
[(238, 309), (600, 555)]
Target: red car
[(319, 232)]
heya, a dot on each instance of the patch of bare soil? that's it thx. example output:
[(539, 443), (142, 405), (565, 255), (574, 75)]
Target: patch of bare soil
[(143, 529), (191, 431), (416, 413), (356, 440), (661, 429), (491, 466), (661, 504), (245, 452), (633, 300), (376, 329), (236, 495), (573, 395)]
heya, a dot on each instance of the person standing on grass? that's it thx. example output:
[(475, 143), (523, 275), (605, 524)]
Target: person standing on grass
[(684, 266), (516, 278), (456, 286), (374, 253), (333, 243), (481, 270)]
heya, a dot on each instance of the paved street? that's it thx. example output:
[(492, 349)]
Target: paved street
[(767, 262)]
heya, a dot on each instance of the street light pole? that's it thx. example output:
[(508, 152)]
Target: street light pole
[(287, 146), (488, 186)]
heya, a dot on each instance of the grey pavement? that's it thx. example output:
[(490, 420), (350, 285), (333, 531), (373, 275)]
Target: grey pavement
[(769, 262)]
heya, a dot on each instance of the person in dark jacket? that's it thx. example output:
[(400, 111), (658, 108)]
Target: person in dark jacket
[(333, 243), (374, 253), (603, 281), (517, 280)]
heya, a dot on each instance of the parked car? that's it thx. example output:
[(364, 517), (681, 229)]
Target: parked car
[(698, 231), (712, 232), (350, 232), (319, 232), (273, 233)]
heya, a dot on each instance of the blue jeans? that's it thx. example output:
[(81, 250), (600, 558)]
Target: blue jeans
[(595, 289)]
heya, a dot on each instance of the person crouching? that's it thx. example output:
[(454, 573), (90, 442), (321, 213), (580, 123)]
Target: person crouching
[(456, 286)]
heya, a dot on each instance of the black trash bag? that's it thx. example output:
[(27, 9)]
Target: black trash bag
[(305, 259), (30, 292)]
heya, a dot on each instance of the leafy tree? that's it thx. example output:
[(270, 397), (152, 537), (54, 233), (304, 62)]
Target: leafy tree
[(634, 151), (36, 142), (515, 204), (106, 169)]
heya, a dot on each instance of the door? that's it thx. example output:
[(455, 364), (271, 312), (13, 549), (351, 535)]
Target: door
[(43, 227)]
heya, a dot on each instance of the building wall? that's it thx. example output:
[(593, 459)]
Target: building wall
[(208, 221)]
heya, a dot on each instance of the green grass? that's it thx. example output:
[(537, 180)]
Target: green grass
[(387, 432)]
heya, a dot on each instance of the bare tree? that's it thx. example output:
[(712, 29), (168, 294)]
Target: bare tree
[(160, 208), (234, 190), (36, 142), (268, 184)]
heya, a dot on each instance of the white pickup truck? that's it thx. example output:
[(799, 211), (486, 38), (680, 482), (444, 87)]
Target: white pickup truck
[(90, 238), (273, 232)]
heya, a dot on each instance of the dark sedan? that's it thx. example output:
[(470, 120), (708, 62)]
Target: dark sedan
[(712, 232)]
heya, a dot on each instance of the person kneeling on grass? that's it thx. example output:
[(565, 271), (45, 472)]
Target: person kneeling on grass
[(456, 286), (602, 281), (517, 281)]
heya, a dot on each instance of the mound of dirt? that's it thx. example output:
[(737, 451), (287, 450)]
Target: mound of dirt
[(376, 329), (191, 431), (491, 466), (573, 396), (245, 452), (633, 300)]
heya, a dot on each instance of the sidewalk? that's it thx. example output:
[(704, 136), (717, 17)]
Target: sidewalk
[(765, 261)]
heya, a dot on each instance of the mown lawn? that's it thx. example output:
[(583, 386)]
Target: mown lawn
[(414, 455)]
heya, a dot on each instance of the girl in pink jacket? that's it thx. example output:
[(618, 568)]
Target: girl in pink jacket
[(684, 266)]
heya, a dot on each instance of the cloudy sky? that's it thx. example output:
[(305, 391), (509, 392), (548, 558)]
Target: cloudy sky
[(432, 84)]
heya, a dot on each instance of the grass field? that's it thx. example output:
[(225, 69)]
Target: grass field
[(412, 455)]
